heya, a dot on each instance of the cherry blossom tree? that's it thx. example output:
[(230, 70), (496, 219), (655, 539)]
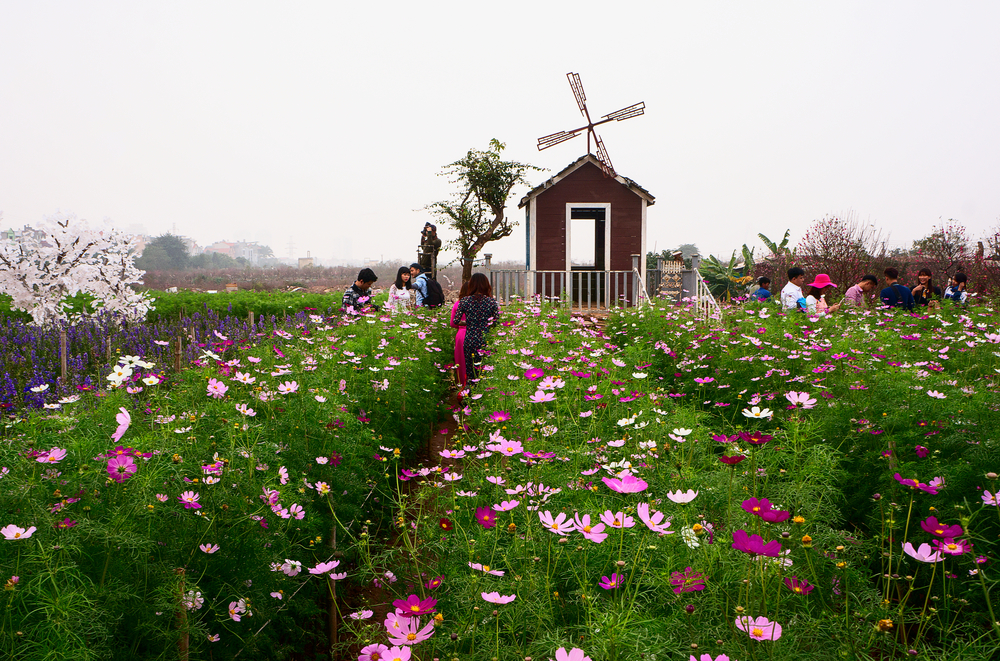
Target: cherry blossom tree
[(64, 256)]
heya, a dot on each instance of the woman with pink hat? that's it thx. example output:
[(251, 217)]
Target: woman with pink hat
[(816, 297)]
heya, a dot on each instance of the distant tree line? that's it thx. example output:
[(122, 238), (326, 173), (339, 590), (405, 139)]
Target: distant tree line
[(167, 252)]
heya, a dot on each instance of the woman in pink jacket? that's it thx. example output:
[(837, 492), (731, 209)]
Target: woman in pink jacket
[(458, 322)]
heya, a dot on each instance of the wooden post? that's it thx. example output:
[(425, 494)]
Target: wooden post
[(177, 354), (251, 320), (62, 354), (184, 643)]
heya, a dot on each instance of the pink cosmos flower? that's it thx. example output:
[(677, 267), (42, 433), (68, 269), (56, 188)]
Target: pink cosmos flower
[(760, 628), (236, 608), (680, 497), (434, 583), (754, 544), (213, 637), (209, 548), (923, 553), (121, 468), (14, 532), (190, 500), (124, 420), (506, 448), (506, 505), (950, 546), (288, 387), (575, 654), (932, 526), (627, 484), (404, 630), (802, 399), (612, 583), (617, 519), (990, 498), (558, 524), (921, 451), (398, 654), (594, 533), (486, 569), (534, 374), (361, 615), (375, 652), (499, 416), (413, 605), (542, 396), (708, 657), (497, 598), (324, 567), (53, 456), (217, 389), (653, 521)]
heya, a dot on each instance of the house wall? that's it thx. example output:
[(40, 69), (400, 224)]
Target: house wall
[(587, 185)]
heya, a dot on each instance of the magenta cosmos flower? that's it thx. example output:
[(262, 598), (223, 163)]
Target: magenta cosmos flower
[(932, 526), (499, 416), (797, 586), (190, 500), (414, 606), (754, 544), (486, 517), (689, 581), (534, 374), (406, 631), (612, 583), (915, 484), (121, 468), (708, 657), (759, 628), (627, 484)]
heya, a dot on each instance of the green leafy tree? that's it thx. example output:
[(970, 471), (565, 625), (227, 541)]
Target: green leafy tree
[(169, 246), (478, 210)]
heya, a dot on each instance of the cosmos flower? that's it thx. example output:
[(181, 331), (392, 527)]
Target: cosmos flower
[(923, 553), (485, 517), (627, 484), (617, 519), (654, 521), (681, 497), (14, 532), (558, 524), (797, 586), (575, 654), (760, 628), (932, 526), (612, 583), (754, 544), (412, 606), (757, 412), (689, 581), (497, 598)]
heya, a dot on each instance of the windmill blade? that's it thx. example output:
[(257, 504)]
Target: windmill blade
[(602, 156), (555, 138), (577, 87), (633, 110)]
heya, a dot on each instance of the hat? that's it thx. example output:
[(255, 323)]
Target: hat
[(822, 280)]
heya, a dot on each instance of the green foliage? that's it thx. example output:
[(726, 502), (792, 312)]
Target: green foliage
[(165, 252), (241, 303)]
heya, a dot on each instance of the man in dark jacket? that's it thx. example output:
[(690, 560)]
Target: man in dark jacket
[(358, 295), (430, 246), (896, 295)]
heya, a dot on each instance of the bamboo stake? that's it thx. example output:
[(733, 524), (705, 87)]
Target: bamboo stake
[(183, 645), (62, 354)]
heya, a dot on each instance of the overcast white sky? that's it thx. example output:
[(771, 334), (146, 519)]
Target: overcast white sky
[(324, 124)]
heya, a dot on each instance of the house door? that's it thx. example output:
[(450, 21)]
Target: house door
[(586, 251)]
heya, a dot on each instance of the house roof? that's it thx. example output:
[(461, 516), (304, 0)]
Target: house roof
[(576, 165)]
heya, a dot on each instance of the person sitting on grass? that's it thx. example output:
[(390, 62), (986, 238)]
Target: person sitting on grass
[(358, 295), (926, 290), (792, 292), (763, 291), (956, 288), (896, 295), (400, 294), (418, 282), (855, 296), (816, 300)]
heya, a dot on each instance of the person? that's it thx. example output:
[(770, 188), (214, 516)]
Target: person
[(855, 296), (956, 288), (481, 311), (358, 296), (400, 295), (418, 280), (430, 246), (816, 300), (896, 295), (926, 290), (792, 292), (458, 322), (763, 292)]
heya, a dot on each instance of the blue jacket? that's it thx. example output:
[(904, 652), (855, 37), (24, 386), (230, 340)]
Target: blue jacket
[(420, 287), (898, 296)]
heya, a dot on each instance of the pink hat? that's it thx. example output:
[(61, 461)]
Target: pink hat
[(822, 280)]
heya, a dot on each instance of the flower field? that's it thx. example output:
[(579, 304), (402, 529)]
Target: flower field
[(646, 486)]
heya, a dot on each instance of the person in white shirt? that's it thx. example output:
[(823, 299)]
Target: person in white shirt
[(792, 292), (400, 294)]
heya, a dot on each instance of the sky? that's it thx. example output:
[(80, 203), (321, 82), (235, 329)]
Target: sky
[(323, 126)]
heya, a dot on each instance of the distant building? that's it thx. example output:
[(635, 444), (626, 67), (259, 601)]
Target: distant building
[(306, 261)]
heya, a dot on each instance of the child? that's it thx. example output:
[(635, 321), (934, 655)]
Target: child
[(764, 292), (956, 288)]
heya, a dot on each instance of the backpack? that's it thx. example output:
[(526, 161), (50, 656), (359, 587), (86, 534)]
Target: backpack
[(435, 295)]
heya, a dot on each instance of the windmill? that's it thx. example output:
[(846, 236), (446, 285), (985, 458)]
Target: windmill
[(581, 100)]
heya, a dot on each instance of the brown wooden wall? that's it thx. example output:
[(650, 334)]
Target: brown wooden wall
[(587, 184)]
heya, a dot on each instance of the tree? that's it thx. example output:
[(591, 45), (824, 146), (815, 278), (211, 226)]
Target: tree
[(843, 248), (63, 257), (172, 246), (947, 246), (477, 210)]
